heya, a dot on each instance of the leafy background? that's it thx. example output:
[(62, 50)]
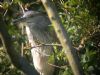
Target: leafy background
[(80, 18)]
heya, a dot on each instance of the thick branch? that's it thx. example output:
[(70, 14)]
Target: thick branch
[(63, 37), (15, 57)]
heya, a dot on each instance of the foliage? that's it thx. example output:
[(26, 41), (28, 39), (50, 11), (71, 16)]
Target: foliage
[(83, 27), (6, 67), (81, 20)]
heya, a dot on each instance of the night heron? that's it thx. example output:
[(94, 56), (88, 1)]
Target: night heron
[(37, 31)]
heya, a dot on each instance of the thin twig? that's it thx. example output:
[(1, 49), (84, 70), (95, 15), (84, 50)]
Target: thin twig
[(46, 45), (23, 11), (22, 29), (5, 13), (7, 9), (61, 67), (22, 44)]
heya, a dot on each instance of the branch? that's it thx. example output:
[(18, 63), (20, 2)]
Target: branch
[(46, 45), (63, 37), (7, 8), (60, 67), (15, 57)]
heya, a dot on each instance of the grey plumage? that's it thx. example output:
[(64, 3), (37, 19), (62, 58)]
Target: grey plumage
[(36, 29)]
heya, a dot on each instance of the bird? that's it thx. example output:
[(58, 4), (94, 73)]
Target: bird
[(37, 24)]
